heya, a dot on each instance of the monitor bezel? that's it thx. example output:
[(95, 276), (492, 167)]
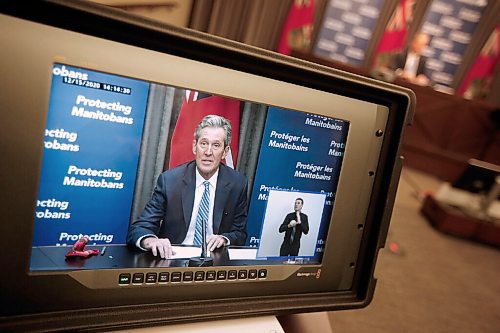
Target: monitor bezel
[(112, 25)]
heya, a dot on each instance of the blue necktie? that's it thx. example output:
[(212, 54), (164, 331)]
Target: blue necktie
[(202, 214)]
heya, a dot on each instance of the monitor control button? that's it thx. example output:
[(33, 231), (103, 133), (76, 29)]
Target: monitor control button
[(199, 276), (252, 274), (262, 273), (138, 278), (124, 278), (187, 276), (151, 278), (221, 275), (163, 277), (243, 274), (176, 277), (210, 276), (232, 275)]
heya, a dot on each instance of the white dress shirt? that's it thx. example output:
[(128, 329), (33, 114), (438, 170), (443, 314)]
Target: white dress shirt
[(411, 65)]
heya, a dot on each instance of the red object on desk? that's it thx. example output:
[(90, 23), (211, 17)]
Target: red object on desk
[(78, 249)]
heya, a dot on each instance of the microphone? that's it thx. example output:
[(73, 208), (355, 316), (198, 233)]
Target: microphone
[(203, 260), (204, 239)]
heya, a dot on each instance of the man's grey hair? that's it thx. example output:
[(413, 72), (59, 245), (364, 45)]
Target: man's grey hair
[(214, 121)]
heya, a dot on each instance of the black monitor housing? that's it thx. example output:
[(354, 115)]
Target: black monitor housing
[(91, 98)]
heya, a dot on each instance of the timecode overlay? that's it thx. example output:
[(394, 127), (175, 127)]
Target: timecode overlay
[(97, 85)]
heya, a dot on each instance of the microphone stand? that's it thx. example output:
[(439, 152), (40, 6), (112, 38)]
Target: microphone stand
[(203, 260)]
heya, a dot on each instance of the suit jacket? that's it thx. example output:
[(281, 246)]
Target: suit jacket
[(400, 61), (303, 227), (168, 213)]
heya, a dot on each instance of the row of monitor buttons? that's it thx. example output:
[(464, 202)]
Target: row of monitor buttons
[(189, 276)]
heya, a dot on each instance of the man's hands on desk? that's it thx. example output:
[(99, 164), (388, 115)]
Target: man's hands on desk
[(163, 248), (158, 246), (214, 242)]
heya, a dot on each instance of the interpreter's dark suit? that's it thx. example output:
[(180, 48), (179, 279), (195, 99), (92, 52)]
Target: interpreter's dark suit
[(168, 213), (290, 247)]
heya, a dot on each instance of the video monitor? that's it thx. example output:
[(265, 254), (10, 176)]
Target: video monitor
[(156, 175)]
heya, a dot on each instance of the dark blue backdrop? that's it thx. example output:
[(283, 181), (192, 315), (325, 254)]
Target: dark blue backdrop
[(347, 29), (451, 25), (100, 212), (277, 167)]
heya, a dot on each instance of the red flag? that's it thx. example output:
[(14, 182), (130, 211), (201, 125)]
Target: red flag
[(394, 37), (297, 30), (476, 83), (192, 112)]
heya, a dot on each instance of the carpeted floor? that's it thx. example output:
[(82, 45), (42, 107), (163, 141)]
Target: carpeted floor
[(434, 283)]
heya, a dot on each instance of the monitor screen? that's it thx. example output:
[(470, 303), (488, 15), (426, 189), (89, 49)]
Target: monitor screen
[(164, 175), (102, 139)]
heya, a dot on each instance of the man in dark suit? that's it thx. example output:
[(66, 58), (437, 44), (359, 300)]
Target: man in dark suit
[(411, 64), (294, 225), (203, 189)]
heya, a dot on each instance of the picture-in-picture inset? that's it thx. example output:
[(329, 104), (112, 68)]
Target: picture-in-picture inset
[(291, 224)]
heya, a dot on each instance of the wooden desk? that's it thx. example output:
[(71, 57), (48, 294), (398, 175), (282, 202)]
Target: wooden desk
[(50, 258)]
